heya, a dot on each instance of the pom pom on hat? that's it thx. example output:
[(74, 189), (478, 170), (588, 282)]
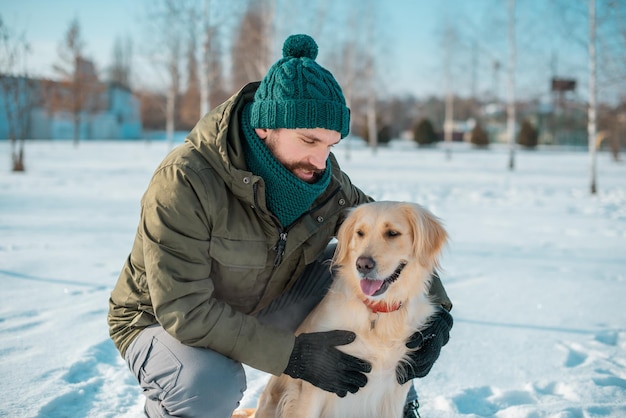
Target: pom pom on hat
[(300, 46), (297, 92)]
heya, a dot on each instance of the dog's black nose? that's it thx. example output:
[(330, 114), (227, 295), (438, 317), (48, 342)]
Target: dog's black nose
[(365, 264)]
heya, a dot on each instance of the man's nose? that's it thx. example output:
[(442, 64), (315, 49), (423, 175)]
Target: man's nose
[(318, 159)]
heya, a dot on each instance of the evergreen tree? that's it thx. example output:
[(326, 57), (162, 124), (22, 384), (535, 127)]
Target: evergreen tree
[(479, 137), (424, 133), (528, 136), (384, 135)]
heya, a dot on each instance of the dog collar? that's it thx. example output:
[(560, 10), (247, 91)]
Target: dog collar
[(381, 306)]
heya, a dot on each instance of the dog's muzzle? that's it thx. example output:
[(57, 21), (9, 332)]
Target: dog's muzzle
[(376, 287)]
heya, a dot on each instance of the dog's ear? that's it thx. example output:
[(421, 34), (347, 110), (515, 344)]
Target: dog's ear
[(344, 235), (429, 235)]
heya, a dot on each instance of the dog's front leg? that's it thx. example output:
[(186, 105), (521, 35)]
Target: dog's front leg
[(305, 402)]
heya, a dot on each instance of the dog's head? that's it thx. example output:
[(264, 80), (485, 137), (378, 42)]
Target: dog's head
[(389, 249)]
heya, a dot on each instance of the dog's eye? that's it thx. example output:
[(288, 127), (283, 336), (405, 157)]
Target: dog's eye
[(360, 233), (392, 234)]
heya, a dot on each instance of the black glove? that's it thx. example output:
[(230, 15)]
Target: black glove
[(315, 359), (428, 343)]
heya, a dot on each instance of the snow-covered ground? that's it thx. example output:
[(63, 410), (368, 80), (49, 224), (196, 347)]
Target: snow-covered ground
[(536, 269)]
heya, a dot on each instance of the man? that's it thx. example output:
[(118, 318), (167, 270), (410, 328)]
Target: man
[(232, 247)]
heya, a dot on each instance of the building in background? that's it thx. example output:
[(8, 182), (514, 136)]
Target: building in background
[(113, 112)]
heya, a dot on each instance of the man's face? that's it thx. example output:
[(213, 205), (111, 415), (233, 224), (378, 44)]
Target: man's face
[(302, 151)]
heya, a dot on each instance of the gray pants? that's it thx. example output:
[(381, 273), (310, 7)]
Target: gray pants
[(184, 381)]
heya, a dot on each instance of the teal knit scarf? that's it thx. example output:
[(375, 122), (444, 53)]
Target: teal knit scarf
[(287, 196)]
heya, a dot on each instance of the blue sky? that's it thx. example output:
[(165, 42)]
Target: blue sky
[(412, 33), (46, 22)]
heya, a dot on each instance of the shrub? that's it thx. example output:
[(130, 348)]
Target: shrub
[(383, 137), (424, 133), (479, 137), (528, 136)]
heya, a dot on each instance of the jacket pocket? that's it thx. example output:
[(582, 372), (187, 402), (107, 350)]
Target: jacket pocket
[(239, 271), (159, 372), (238, 253)]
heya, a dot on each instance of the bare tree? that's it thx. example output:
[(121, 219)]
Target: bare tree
[(172, 63), (510, 107), (216, 15), (208, 35), (450, 43), (349, 72), (16, 89), (251, 48), (610, 22), (612, 54), (166, 20), (190, 100), (370, 74), (591, 121), (78, 76), (355, 65), (183, 44), (218, 90), (120, 71)]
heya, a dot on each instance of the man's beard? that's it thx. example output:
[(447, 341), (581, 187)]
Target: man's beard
[(271, 144)]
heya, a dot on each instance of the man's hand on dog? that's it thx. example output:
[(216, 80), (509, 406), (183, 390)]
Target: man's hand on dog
[(428, 343), (316, 359)]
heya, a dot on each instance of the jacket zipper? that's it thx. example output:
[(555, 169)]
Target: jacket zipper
[(282, 233), (280, 248)]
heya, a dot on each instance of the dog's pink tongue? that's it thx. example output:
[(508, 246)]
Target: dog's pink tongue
[(369, 287)]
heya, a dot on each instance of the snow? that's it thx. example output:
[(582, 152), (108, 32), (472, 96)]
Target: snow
[(536, 269)]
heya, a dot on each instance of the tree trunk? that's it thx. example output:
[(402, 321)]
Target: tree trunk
[(205, 92), (17, 156), (591, 122), (448, 124), (172, 93), (510, 108), (448, 120), (170, 114), (372, 130), (76, 128)]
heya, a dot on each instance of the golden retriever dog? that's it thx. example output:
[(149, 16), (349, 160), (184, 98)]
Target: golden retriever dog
[(385, 254)]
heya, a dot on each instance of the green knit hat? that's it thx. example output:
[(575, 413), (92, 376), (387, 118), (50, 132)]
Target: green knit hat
[(297, 92)]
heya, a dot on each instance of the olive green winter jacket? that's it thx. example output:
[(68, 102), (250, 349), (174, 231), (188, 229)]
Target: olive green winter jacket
[(207, 254)]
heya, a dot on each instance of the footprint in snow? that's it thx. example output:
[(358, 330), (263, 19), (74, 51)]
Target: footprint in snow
[(575, 355)]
